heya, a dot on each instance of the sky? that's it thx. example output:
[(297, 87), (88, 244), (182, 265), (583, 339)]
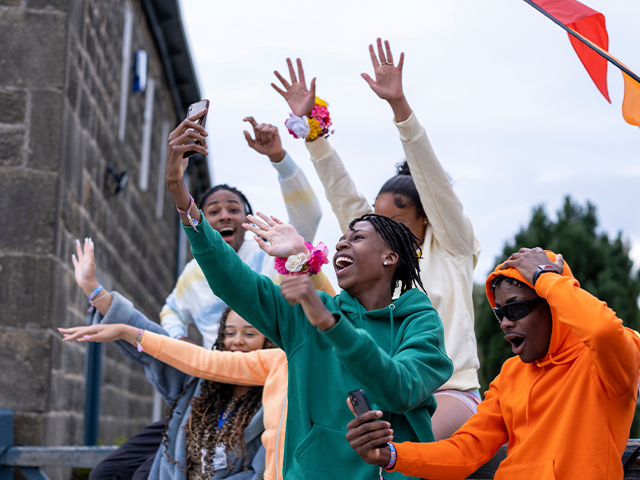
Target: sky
[(511, 112)]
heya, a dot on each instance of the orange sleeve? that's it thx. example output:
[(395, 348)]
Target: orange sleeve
[(613, 349), (238, 368), (473, 445)]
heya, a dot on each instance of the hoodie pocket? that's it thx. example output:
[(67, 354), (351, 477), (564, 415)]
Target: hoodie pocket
[(539, 471), (325, 453)]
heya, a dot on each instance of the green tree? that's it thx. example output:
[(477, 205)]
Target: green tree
[(601, 265)]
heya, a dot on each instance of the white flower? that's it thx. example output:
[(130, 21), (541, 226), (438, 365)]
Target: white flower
[(298, 125), (295, 263)]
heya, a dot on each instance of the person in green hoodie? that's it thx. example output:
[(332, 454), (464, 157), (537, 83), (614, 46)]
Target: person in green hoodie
[(361, 338)]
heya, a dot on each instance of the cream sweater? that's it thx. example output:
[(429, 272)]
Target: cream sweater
[(450, 250)]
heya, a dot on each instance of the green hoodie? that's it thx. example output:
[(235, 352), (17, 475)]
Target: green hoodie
[(395, 354)]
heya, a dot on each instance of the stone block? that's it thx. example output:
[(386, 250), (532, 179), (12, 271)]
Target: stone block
[(72, 87), (24, 387), (76, 11), (49, 5), (72, 163), (11, 146), (33, 48), (13, 106), (46, 130), (26, 290), (28, 428), (36, 193)]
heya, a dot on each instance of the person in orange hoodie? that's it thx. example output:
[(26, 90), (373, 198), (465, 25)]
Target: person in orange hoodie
[(564, 404)]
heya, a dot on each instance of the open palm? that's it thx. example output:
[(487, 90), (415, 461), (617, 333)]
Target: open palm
[(84, 263), (300, 99), (388, 82), (284, 240)]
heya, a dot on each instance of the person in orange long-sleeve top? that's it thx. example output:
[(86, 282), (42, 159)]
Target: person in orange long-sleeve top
[(564, 404)]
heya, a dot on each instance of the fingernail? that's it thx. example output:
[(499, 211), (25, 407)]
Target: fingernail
[(77, 242), (87, 337), (74, 256)]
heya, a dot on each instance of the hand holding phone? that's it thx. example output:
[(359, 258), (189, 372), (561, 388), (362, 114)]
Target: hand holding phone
[(194, 109), (361, 405)]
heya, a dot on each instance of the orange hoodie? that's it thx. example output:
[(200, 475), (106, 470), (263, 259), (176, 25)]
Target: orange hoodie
[(565, 416), (266, 368)]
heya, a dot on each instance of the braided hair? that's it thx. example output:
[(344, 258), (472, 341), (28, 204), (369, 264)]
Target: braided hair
[(404, 243), (235, 191), (207, 407)]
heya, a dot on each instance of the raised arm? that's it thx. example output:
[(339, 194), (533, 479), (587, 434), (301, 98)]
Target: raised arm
[(614, 349), (347, 203), (451, 227), (300, 200)]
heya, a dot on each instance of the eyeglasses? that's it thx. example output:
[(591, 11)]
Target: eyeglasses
[(516, 310)]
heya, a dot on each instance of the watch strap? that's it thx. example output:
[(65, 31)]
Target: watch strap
[(543, 269)]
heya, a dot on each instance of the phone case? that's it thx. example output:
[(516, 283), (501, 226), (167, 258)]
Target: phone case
[(202, 104)]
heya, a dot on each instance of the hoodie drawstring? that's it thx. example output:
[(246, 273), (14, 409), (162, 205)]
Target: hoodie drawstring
[(392, 307)]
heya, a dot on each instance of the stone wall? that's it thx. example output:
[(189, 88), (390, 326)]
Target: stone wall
[(60, 64)]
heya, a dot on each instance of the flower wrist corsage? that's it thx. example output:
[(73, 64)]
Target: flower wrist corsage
[(303, 263), (312, 127)]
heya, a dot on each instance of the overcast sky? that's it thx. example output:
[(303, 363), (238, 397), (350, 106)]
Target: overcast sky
[(511, 112)]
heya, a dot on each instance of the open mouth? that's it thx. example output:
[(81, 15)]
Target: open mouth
[(516, 341), (227, 232), (342, 263)]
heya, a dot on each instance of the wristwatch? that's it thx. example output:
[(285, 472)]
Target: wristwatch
[(543, 269)]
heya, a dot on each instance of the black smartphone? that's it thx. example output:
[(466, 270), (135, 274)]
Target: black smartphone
[(193, 109), (361, 405)]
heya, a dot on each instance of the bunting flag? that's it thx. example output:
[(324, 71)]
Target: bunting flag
[(588, 35)]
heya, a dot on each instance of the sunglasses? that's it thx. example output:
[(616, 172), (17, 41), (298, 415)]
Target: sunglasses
[(516, 310)]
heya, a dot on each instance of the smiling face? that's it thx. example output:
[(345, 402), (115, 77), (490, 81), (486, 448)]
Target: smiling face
[(359, 260), (530, 335), (387, 205), (240, 336), (225, 212)]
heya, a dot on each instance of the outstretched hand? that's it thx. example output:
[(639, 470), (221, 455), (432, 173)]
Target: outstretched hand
[(84, 265), (365, 434), (300, 99), (267, 141), (388, 82), (101, 332), (527, 260), (284, 240)]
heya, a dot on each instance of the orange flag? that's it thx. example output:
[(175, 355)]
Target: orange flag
[(631, 102)]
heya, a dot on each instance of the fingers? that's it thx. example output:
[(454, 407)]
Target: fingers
[(261, 243), (250, 140), (197, 116), (388, 52), (300, 71), (185, 125), (264, 226), (312, 87), (383, 59), (255, 230), (279, 90), (283, 80), (277, 220), (374, 59), (401, 62), (251, 120), (292, 72), (79, 251), (368, 79), (267, 219), (77, 333), (364, 418)]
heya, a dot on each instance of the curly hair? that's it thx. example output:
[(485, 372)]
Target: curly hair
[(209, 405), (235, 191), (402, 241)]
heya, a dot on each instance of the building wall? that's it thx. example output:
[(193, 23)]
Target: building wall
[(60, 67)]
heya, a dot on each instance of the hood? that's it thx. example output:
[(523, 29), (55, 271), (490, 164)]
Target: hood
[(412, 302), (563, 340)]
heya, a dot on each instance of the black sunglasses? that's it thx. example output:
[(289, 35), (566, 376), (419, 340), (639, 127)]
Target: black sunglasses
[(516, 310)]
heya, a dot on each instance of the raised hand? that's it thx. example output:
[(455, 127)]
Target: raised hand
[(284, 240), (388, 82), (85, 266), (267, 141), (101, 333), (527, 260), (177, 164), (300, 99)]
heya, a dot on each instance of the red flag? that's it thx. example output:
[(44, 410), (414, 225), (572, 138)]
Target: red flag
[(590, 24)]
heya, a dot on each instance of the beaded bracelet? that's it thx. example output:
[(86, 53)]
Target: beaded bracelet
[(194, 223), (92, 295), (394, 456), (139, 339)]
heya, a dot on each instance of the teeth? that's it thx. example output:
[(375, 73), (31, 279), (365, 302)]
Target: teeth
[(343, 262)]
